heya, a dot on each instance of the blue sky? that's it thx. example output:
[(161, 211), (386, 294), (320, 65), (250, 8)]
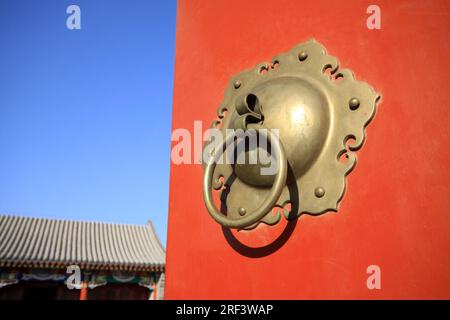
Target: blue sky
[(85, 115)]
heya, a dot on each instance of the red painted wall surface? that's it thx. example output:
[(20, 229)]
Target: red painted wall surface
[(396, 210)]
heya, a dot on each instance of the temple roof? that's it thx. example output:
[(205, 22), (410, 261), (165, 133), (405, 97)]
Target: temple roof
[(53, 243)]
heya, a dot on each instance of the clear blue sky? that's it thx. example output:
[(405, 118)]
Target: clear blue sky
[(85, 115)]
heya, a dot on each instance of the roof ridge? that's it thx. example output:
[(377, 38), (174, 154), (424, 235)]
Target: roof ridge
[(153, 230), (73, 220)]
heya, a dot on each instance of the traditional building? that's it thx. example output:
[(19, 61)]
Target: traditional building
[(61, 259)]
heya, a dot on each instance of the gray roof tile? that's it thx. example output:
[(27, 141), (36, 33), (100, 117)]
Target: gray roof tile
[(56, 243)]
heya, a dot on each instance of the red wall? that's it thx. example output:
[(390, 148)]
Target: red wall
[(396, 209)]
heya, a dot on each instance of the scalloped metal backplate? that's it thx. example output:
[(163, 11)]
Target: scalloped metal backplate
[(321, 152)]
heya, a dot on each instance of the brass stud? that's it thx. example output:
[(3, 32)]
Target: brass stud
[(319, 192), (242, 211), (354, 103), (237, 84), (302, 56)]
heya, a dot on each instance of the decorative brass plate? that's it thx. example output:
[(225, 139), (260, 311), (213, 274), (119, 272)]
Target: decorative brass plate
[(321, 112)]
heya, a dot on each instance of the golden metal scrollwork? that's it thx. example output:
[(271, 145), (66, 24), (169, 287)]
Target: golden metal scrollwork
[(320, 112)]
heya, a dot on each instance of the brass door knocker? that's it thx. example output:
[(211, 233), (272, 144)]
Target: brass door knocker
[(320, 112)]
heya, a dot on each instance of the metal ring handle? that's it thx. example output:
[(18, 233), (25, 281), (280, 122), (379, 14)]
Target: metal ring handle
[(251, 217)]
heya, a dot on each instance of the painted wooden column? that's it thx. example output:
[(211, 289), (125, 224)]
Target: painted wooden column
[(84, 291)]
